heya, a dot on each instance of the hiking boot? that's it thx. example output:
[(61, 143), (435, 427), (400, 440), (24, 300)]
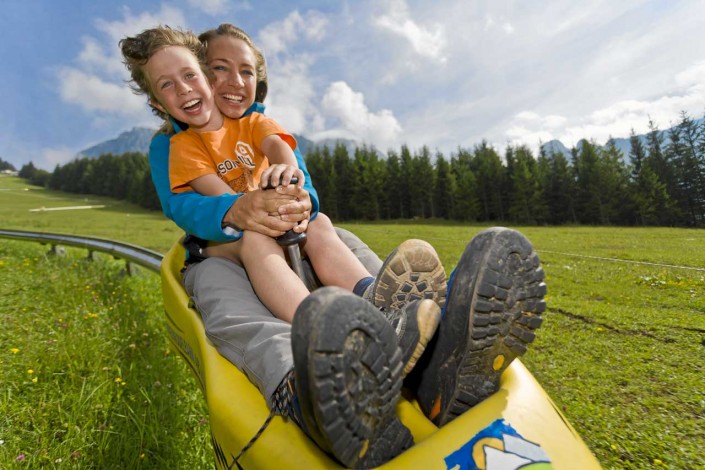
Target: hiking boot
[(347, 366), (411, 272), (415, 324), (494, 306)]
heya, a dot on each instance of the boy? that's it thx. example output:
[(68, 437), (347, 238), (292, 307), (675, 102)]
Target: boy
[(168, 66)]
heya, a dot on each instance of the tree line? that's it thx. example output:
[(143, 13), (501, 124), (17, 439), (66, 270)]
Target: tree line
[(660, 182), (124, 177)]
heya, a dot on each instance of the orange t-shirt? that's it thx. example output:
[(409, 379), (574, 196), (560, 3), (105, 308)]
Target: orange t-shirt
[(233, 152)]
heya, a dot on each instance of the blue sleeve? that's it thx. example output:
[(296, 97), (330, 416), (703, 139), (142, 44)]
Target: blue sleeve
[(308, 185), (198, 215)]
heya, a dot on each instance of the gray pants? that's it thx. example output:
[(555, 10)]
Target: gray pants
[(240, 326)]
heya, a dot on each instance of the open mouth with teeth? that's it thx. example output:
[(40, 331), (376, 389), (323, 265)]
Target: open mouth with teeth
[(237, 99), (191, 106)]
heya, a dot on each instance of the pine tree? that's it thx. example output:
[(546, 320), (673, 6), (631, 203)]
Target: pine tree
[(444, 190), (589, 196), (614, 185), (343, 169), (693, 170), (665, 171), (683, 192), (6, 165), (558, 188), (422, 184), (467, 203), (648, 194), (406, 166), (368, 187), (491, 181), (526, 205), (393, 187)]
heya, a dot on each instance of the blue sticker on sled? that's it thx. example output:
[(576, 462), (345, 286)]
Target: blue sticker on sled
[(498, 447)]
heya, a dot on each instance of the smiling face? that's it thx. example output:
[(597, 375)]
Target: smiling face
[(181, 89), (233, 63)]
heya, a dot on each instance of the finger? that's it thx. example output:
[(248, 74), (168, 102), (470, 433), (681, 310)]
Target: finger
[(288, 172), (265, 178), (276, 177), (301, 227), (294, 210), (300, 175)]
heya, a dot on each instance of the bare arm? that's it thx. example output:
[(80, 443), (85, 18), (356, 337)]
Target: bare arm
[(210, 185), (282, 163), (258, 210)]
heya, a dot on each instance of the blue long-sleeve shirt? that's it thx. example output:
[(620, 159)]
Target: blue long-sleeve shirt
[(199, 215)]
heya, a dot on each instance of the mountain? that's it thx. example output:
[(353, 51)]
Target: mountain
[(135, 140), (622, 143), (138, 138)]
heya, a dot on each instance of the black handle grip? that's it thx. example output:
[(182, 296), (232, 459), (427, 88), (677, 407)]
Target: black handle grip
[(290, 237), (293, 180)]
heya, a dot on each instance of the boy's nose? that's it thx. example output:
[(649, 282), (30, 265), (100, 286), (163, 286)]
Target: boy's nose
[(183, 89)]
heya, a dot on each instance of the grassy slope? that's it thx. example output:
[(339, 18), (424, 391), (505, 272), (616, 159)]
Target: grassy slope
[(622, 344)]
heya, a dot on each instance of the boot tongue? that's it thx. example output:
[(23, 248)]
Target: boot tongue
[(396, 318)]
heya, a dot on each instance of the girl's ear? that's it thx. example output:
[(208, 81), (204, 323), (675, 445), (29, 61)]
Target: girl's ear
[(155, 104)]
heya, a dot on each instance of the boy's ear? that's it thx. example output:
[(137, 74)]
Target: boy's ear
[(156, 104)]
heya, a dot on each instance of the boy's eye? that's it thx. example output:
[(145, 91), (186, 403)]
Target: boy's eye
[(190, 75), (165, 85), (248, 72)]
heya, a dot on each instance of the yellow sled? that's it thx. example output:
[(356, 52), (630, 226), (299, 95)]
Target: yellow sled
[(517, 427)]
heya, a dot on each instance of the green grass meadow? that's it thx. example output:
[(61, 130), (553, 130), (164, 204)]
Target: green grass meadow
[(89, 381)]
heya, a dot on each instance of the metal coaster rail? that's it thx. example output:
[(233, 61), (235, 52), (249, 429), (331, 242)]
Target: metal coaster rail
[(130, 253)]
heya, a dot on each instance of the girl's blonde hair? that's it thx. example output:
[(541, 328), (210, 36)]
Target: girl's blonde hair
[(137, 50), (226, 29)]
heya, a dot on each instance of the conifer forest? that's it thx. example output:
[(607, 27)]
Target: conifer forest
[(660, 182)]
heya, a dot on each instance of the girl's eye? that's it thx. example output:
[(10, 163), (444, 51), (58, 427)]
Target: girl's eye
[(219, 68), (248, 72)]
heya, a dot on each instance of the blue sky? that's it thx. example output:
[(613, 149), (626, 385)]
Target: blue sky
[(444, 74)]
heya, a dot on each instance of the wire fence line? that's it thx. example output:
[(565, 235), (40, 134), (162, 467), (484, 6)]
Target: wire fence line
[(152, 260), (600, 258), (575, 255)]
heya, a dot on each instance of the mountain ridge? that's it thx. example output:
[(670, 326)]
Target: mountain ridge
[(622, 143), (137, 139)]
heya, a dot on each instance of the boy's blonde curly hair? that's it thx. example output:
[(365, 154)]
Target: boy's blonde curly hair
[(137, 50)]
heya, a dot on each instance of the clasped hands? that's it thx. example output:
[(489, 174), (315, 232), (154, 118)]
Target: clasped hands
[(275, 211)]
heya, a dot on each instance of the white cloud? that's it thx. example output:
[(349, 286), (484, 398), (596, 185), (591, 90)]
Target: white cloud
[(280, 36), (97, 84), (692, 78), (102, 56), (212, 7), (50, 157), (291, 96), (425, 41), (530, 128), (505, 26), (93, 57), (380, 128), (292, 93), (618, 119), (95, 94), (134, 24)]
